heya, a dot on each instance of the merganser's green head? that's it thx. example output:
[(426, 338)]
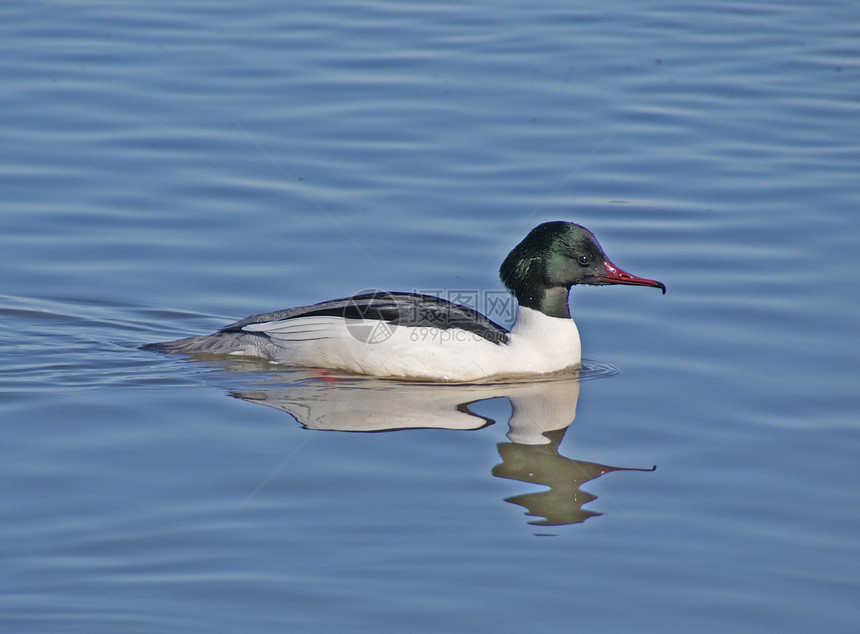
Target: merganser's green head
[(554, 256)]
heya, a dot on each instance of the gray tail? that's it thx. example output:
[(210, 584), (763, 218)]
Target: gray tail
[(187, 345), (219, 343)]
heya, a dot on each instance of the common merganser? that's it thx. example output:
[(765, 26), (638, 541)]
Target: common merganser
[(411, 335)]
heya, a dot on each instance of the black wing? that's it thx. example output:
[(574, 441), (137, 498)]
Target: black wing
[(398, 308)]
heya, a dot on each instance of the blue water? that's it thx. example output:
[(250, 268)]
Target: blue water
[(170, 167)]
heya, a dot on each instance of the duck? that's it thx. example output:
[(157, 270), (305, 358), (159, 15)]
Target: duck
[(411, 335)]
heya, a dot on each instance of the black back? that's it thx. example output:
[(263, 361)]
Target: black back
[(397, 308)]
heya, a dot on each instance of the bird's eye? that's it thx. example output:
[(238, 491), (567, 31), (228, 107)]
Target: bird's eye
[(583, 260)]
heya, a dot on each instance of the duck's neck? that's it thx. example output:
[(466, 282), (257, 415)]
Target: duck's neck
[(551, 301)]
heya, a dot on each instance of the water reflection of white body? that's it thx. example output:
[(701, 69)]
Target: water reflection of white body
[(365, 404), (541, 412)]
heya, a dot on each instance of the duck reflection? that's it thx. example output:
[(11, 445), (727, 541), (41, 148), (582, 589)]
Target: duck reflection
[(542, 464), (541, 412)]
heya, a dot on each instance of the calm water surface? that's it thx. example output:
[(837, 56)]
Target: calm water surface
[(170, 167)]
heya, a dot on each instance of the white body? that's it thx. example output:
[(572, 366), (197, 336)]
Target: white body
[(538, 344)]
